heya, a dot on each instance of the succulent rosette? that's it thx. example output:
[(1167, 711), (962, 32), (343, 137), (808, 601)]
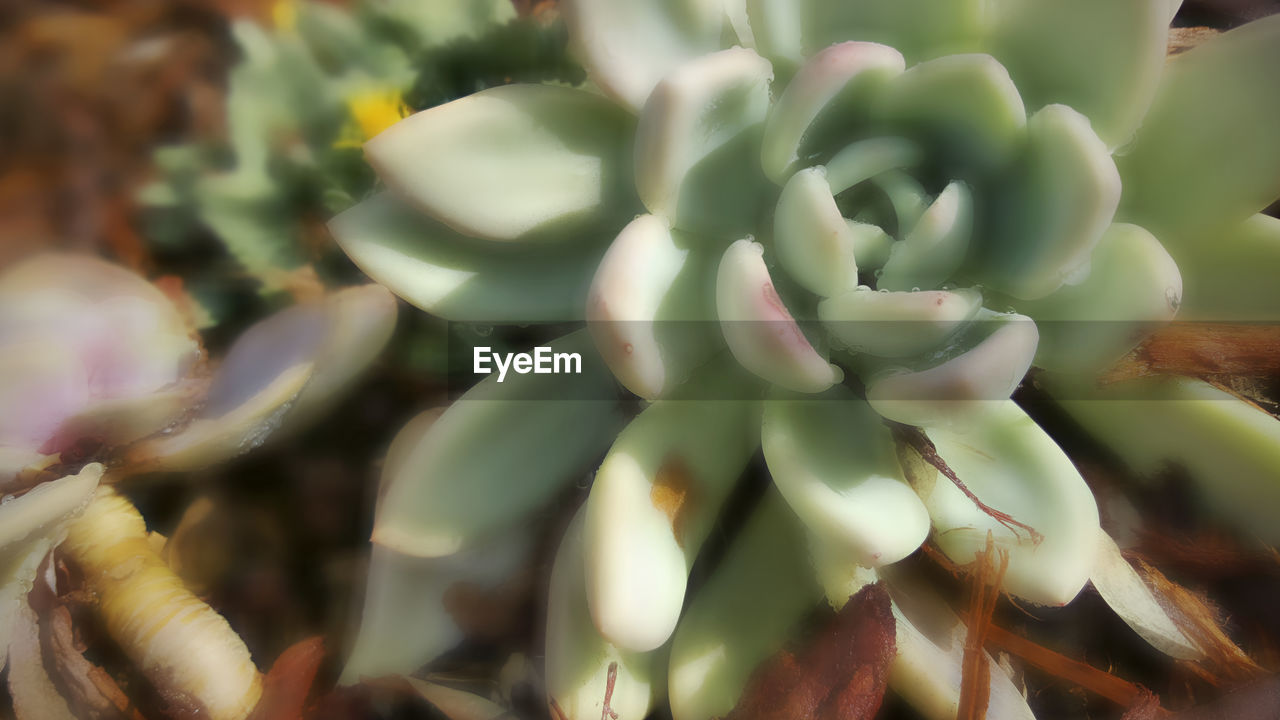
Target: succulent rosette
[(103, 378), (785, 222), (307, 90)]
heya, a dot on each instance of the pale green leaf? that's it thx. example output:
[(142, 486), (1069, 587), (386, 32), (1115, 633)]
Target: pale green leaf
[(470, 475), (1132, 284), (965, 107), (1014, 467), (1208, 154), (1229, 448), (404, 623), (920, 29), (1101, 57), (649, 306), (1128, 595), (653, 502), (628, 46), (1053, 209), (935, 246), (759, 329), (1232, 274), (897, 324), (977, 371), (753, 602), (512, 161), (839, 81), (929, 669), (456, 277), (581, 666), (814, 243), (833, 460), (696, 140)]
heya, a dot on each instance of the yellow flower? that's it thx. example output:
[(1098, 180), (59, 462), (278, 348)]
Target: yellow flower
[(372, 111), (284, 15)]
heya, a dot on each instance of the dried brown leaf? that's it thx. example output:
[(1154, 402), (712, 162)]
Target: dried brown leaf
[(1203, 350), (841, 675), (1201, 622), (1099, 682), (87, 687), (289, 683), (985, 582), (1182, 39)]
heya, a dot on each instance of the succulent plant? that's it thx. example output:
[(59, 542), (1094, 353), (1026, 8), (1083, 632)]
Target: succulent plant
[(104, 379), (303, 97), (784, 223)]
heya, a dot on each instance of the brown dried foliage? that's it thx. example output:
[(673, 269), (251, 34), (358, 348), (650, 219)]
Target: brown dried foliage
[(1203, 350), (984, 590), (1182, 39), (1200, 621), (289, 683), (1099, 682), (841, 675)]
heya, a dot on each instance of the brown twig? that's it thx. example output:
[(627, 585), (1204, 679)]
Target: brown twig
[(975, 671), (914, 438)]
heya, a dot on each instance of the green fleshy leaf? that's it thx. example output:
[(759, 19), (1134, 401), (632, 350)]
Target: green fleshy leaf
[(929, 669), (460, 484), (276, 93), (897, 324), (629, 46), (834, 462), (751, 605), (869, 159), (1208, 154), (1014, 467), (459, 278), (643, 528), (1102, 58), (1132, 284), (512, 161), (696, 142), (1229, 448), (760, 331), (837, 85), (1128, 594), (920, 29), (1232, 274), (777, 27), (965, 106), (441, 21), (247, 212), (582, 668), (977, 371), (813, 241), (649, 305), (935, 246), (404, 624), (906, 196), (1053, 209)]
